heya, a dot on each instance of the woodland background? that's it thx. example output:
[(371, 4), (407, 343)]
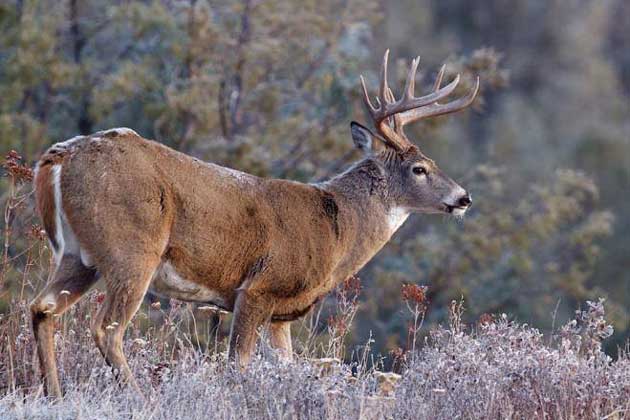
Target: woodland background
[(270, 87)]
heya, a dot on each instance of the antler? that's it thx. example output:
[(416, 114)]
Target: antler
[(410, 108)]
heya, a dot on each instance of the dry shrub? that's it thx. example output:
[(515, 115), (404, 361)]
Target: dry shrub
[(501, 369)]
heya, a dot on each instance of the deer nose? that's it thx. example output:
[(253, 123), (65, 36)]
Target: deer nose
[(465, 201)]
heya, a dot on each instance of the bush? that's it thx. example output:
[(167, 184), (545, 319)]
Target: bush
[(497, 369)]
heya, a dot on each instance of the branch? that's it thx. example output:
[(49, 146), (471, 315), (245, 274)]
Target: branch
[(243, 39), (222, 105)]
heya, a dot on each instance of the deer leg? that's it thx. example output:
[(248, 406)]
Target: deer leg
[(70, 282), (281, 339), (125, 291), (250, 312)]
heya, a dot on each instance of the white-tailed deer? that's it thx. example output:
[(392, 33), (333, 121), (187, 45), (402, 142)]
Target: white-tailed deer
[(145, 217)]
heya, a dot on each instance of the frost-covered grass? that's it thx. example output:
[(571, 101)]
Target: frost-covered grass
[(497, 369)]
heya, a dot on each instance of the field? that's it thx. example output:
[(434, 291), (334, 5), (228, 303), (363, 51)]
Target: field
[(494, 369)]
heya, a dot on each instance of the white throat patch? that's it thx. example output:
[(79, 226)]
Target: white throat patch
[(396, 217)]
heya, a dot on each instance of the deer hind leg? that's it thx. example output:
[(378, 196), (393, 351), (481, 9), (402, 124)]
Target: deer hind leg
[(125, 290), (250, 312), (280, 333), (70, 281)]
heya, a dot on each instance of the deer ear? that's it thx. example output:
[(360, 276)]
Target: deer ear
[(365, 140)]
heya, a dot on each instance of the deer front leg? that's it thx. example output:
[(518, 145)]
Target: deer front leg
[(281, 338), (250, 312)]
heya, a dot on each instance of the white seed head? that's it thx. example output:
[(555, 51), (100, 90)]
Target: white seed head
[(140, 342)]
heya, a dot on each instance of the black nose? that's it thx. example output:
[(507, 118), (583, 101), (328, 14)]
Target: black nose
[(465, 201)]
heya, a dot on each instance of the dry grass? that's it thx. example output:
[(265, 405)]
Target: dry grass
[(498, 370)]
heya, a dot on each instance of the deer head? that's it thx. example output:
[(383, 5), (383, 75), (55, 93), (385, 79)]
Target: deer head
[(416, 184)]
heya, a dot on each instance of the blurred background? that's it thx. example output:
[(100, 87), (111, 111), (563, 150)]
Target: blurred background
[(270, 87)]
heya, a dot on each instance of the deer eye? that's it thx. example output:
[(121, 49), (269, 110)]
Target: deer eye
[(419, 170)]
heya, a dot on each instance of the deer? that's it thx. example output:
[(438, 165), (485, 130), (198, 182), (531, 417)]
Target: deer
[(144, 217)]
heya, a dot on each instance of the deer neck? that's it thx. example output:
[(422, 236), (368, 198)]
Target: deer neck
[(368, 215)]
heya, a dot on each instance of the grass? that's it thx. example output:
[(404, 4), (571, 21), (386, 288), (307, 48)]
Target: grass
[(498, 369)]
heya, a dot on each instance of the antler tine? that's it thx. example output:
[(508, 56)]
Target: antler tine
[(386, 108), (406, 104), (366, 97), (436, 109), (410, 84), (409, 108), (438, 79), (383, 88), (389, 97)]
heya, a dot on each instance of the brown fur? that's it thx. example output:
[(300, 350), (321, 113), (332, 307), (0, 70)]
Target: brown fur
[(45, 198), (266, 249), (143, 215)]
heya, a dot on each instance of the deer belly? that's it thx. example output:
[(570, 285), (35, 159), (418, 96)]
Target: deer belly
[(167, 282)]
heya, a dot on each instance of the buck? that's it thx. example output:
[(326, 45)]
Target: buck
[(142, 217)]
